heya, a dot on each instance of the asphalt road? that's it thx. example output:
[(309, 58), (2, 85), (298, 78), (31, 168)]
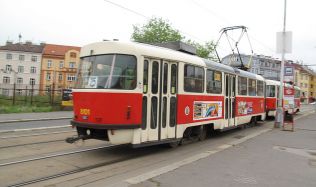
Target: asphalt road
[(277, 158)]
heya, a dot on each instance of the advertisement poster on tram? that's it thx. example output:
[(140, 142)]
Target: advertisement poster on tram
[(207, 110), (245, 108)]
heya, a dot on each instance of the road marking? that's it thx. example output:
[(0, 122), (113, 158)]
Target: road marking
[(31, 129)]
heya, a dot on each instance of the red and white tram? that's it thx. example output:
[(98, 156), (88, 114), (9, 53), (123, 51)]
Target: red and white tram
[(131, 93), (272, 93)]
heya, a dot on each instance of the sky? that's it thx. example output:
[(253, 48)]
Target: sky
[(80, 22)]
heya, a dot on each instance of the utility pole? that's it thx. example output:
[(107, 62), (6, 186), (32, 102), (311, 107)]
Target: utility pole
[(280, 111)]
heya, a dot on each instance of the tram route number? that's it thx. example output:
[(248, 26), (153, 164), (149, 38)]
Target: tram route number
[(84, 111)]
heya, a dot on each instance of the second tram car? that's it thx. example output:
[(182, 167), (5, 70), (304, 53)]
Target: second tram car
[(131, 93), (272, 92)]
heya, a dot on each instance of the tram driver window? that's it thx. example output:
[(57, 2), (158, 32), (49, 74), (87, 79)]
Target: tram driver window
[(242, 86), (252, 87), (193, 79)]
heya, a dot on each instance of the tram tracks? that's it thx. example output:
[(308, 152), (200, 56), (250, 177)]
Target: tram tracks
[(54, 155)]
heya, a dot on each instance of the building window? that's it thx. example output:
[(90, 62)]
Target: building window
[(193, 79), (21, 57), (48, 76), (21, 69), (9, 56), (71, 77), (32, 81), (47, 88), (61, 64), (6, 80), (73, 55), (19, 80), (242, 86), (34, 58), (305, 85), (19, 92), (60, 77), (72, 64), (33, 70), (8, 68), (49, 63), (213, 81), (5, 92)]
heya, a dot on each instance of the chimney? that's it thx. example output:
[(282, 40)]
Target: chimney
[(9, 42), (28, 42)]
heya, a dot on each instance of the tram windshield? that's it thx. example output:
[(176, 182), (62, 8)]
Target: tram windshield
[(107, 72)]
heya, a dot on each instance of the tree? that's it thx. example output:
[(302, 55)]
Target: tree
[(156, 30), (204, 51)]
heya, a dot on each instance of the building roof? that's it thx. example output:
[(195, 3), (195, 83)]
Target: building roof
[(23, 47), (58, 50)]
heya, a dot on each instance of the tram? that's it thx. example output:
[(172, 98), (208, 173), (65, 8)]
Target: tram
[(272, 92), (138, 94)]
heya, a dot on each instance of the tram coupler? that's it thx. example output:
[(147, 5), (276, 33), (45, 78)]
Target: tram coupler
[(73, 139)]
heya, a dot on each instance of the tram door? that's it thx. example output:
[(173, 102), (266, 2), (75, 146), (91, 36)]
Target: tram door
[(159, 100), (230, 94)]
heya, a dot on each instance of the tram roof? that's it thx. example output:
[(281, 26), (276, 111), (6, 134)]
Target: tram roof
[(140, 49), (274, 82)]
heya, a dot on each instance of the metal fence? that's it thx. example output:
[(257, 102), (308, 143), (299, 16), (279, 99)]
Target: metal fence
[(20, 94)]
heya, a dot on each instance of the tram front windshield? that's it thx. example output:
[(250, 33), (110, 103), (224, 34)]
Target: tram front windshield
[(107, 72)]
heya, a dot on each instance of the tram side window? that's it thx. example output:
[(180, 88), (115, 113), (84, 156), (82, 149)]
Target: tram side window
[(155, 76), (260, 88), (145, 79), (242, 86), (213, 81), (297, 93), (173, 79), (270, 91), (251, 87), (193, 79)]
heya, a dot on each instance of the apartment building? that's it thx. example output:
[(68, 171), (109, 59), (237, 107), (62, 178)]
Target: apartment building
[(266, 66), (59, 67), (20, 65)]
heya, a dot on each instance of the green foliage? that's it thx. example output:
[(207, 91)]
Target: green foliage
[(204, 51), (156, 30), (23, 104)]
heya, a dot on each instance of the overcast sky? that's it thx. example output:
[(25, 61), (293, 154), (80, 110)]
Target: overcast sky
[(79, 22)]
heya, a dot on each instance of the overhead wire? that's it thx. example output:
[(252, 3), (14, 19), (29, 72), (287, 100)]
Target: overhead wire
[(148, 18), (229, 23)]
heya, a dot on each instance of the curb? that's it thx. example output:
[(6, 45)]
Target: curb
[(39, 119)]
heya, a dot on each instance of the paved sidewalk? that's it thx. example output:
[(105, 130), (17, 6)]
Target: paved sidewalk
[(20, 117), (276, 158)]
